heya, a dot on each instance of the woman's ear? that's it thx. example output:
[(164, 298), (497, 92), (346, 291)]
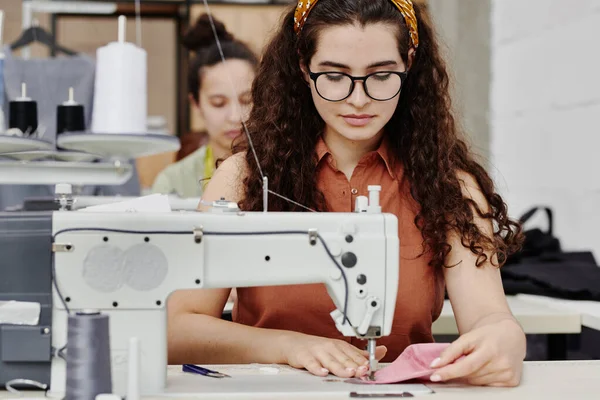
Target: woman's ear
[(411, 57), (304, 70)]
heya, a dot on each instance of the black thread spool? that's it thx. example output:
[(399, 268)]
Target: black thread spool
[(23, 113), (70, 116), (88, 356)]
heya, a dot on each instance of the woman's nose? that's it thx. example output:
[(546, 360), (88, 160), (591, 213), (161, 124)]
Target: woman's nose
[(358, 98)]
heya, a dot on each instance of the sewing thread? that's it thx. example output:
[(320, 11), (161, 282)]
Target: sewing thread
[(70, 116), (23, 116), (88, 356), (23, 113)]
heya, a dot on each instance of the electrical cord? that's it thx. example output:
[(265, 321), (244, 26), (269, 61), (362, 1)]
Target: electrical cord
[(54, 282), (206, 233)]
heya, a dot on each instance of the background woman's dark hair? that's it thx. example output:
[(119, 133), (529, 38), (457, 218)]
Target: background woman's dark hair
[(285, 127), (200, 39)]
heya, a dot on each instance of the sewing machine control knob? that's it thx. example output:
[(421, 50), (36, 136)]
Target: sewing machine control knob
[(349, 260), (373, 304)]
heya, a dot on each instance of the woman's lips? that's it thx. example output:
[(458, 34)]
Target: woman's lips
[(357, 120)]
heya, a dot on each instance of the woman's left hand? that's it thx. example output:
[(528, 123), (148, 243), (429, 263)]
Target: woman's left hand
[(493, 356)]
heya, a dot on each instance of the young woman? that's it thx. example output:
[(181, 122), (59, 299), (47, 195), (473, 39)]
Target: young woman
[(221, 110), (352, 93)]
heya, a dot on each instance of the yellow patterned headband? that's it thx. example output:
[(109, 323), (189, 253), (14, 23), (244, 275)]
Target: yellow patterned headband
[(405, 6)]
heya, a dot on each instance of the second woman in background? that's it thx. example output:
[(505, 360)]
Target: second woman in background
[(220, 93)]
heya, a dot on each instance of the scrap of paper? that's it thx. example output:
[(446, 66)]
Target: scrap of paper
[(19, 312)]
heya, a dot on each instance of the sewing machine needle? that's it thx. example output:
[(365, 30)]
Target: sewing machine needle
[(373, 364)]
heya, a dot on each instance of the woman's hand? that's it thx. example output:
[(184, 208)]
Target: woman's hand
[(493, 356), (321, 356)]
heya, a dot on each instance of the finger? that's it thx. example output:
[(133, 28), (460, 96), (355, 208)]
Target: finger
[(357, 360), (360, 357), (380, 352), (346, 356), (462, 346), (344, 359), (461, 368), (487, 369), (330, 361), (313, 366)]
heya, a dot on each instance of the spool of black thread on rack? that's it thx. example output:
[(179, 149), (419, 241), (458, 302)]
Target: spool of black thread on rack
[(70, 116), (23, 113), (88, 356)]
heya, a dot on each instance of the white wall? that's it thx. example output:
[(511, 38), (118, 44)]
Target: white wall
[(545, 112), (463, 27)]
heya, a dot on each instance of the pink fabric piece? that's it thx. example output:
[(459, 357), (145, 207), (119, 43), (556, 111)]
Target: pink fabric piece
[(413, 363)]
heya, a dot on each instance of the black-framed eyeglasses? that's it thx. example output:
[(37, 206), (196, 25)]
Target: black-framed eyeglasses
[(338, 86)]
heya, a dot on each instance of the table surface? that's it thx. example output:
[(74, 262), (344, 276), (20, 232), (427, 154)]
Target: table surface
[(541, 380), (589, 310), (534, 317)]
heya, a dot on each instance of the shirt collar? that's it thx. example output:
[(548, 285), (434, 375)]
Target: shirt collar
[(383, 151)]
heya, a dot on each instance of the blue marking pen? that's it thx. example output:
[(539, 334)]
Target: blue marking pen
[(195, 369)]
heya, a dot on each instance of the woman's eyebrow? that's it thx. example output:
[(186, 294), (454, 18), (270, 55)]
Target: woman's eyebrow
[(333, 64), (386, 63)]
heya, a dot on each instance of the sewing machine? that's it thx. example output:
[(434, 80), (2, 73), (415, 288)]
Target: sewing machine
[(127, 264)]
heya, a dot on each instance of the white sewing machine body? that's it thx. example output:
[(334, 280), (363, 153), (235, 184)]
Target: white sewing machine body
[(127, 264)]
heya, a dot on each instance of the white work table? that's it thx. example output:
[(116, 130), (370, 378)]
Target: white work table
[(534, 317), (589, 310), (541, 380)]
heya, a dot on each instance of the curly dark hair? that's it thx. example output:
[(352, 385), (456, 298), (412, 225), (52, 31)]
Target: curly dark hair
[(285, 127)]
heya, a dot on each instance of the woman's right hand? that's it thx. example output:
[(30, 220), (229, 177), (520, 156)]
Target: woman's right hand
[(321, 356)]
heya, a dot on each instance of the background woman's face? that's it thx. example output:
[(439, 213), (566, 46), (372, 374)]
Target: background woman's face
[(225, 88)]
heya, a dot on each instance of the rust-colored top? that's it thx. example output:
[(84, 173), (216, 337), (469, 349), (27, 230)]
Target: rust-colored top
[(306, 308)]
